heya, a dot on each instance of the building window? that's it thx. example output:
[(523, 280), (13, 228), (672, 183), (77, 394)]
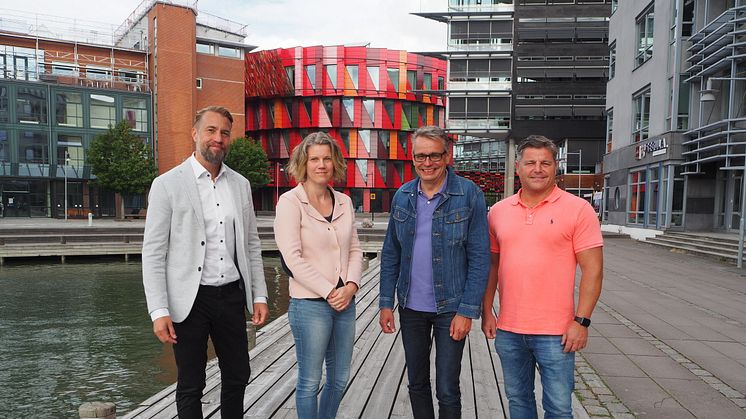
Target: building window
[(394, 77), (640, 124), (33, 147), (362, 167), (70, 150), (103, 111), (4, 117), (352, 73), (653, 195), (441, 83), (331, 72), (31, 105), (4, 149), (349, 106), (370, 106), (311, 74), (645, 23), (205, 48), (290, 73), (612, 60), (636, 206), (682, 118), (135, 113), (375, 78), (614, 5), (308, 108), (412, 80), (609, 129), (199, 82), (64, 69), (677, 203), (427, 82), (229, 52), (69, 109)]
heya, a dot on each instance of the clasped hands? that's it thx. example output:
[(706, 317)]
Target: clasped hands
[(339, 299)]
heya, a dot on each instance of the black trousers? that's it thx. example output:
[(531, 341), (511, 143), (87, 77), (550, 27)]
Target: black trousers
[(220, 313)]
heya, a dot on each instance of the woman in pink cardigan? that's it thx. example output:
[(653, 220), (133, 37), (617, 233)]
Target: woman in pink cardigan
[(315, 232)]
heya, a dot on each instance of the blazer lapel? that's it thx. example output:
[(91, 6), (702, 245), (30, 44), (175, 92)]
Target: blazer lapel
[(339, 206), (310, 210), (190, 185)]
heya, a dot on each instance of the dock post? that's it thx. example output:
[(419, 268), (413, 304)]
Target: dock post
[(97, 410), (126, 257), (62, 258)]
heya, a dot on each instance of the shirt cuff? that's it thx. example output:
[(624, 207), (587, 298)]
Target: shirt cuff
[(158, 313), (260, 300)]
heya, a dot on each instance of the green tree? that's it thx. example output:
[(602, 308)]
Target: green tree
[(247, 157), (122, 163)]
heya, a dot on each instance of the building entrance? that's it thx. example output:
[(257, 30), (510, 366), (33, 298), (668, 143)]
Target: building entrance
[(728, 200)]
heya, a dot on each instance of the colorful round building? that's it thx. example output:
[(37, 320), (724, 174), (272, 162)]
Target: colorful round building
[(369, 99)]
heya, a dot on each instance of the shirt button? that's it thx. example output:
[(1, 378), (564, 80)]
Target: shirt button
[(218, 204), (199, 269), (221, 258), (221, 241), (222, 276), (221, 222), (203, 243)]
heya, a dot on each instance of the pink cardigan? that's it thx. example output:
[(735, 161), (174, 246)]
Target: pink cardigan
[(316, 251)]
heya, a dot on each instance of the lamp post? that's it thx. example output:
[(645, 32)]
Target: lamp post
[(64, 170), (580, 165)]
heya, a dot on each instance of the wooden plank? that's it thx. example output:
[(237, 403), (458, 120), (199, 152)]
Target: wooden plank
[(468, 404), (488, 394), (383, 394)]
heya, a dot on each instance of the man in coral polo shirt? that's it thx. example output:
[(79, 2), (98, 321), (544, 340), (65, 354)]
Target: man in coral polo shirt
[(537, 238)]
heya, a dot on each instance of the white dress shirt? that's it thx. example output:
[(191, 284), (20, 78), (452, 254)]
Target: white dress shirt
[(219, 215)]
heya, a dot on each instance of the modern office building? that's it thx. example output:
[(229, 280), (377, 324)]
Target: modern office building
[(61, 86), (369, 99), (526, 67), (676, 116)]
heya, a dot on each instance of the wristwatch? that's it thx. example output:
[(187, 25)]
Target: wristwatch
[(583, 321)]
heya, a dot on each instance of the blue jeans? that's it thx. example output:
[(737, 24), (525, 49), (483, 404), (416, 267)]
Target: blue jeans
[(321, 334), (519, 354), (417, 329)]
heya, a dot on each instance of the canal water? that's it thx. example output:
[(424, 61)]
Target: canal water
[(80, 332)]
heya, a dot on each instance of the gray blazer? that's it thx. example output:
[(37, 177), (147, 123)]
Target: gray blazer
[(173, 251)]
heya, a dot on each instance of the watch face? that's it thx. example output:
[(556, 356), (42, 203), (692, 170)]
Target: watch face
[(585, 322)]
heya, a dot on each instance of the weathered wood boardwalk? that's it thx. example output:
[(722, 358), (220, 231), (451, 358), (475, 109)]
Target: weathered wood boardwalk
[(378, 381)]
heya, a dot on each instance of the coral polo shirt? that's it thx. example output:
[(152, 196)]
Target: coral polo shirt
[(537, 247)]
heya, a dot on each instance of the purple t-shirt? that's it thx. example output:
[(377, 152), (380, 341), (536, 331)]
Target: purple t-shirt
[(421, 296)]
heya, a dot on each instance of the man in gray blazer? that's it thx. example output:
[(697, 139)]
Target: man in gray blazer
[(202, 264)]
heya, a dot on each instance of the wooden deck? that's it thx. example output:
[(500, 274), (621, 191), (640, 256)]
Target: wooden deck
[(378, 381)]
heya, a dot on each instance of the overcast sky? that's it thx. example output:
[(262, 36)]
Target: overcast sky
[(284, 23)]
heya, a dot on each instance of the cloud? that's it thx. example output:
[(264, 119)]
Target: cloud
[(289, 23)]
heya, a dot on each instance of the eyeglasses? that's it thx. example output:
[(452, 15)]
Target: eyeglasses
[(434, 157)]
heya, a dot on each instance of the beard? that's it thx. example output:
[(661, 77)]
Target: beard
[(215, 157)]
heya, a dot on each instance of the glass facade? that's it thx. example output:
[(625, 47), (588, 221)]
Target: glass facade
[(44, 134)]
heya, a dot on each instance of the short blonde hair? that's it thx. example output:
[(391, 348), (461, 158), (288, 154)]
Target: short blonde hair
[(298, 160), (223, 111)]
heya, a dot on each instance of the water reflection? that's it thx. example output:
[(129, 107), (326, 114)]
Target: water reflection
[(80, 332)]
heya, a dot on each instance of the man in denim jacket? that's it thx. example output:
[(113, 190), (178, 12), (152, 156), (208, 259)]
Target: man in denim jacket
[(436, 257)]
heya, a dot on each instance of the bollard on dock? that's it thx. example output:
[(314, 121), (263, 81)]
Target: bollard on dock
[(98, 410)]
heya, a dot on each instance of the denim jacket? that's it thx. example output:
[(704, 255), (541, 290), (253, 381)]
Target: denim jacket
[(460, 242)]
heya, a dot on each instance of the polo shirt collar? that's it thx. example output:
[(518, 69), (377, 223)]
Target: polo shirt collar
[(552, 197)]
